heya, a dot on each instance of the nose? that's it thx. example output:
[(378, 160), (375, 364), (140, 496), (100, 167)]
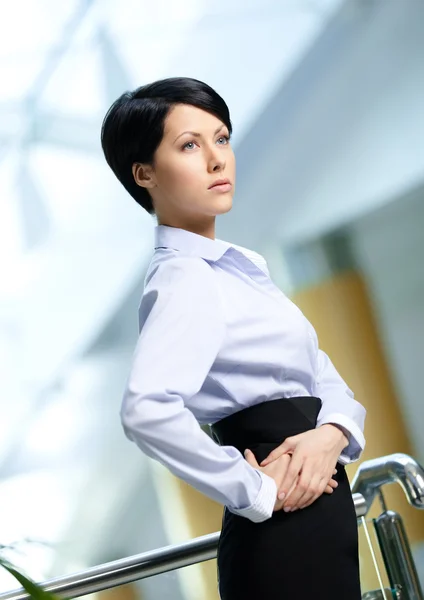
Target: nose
[(216, 161)]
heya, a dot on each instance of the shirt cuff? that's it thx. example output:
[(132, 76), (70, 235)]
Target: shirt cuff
[(263, 507), (354, 449)]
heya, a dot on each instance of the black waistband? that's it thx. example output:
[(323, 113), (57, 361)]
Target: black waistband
[(267, 423)]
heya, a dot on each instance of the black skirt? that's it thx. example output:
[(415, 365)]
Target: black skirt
[(305, 554)]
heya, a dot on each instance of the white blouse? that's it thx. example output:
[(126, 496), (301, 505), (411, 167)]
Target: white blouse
[(217, 336)]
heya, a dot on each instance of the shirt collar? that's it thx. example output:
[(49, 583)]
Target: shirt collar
[(189, 242)]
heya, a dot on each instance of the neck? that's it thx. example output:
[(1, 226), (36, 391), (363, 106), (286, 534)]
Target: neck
[(205, 229)]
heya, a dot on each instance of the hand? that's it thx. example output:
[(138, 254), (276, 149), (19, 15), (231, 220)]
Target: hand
[(314, 455), (277, 469), (330, 487)]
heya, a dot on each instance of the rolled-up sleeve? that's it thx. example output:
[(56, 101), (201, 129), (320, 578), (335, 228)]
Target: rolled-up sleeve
[(182, 328), (339, 407)]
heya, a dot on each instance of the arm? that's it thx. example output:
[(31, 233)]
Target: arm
[(339, 407), (182, 329)]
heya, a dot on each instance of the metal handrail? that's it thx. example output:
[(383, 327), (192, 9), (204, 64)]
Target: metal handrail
[(140, 566), (371, 475), (394, 468)]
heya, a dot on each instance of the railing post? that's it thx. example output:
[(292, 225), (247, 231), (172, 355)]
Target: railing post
[(389, 594), (397, 555)]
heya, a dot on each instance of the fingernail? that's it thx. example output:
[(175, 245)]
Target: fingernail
[(293, 509), (287, 508), (246, 452), (281, 496)]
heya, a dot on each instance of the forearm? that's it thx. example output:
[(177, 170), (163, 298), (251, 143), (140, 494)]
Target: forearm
[(169, 433)]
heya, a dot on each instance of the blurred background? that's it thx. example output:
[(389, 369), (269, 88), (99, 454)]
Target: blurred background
[(326, 99)]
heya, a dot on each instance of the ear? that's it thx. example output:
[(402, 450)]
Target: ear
[(143, 175)]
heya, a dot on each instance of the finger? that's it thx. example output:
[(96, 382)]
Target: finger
[(290, 477), (315, 498), (302, 487), (293, 487), (314, 490), (331, 486), (281, 466), (284, 448), (251, 458), (319, 490)]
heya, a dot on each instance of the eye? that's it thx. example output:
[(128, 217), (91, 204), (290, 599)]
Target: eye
[(185, 145), (226, 139)]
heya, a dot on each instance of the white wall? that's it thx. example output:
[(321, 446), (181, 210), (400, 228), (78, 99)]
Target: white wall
[(342, 136), (389, 246)]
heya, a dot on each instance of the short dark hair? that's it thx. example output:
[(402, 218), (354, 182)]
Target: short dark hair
[(133, 127)]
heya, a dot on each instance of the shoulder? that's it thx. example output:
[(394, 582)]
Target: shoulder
[(173, 269), (255, 257), (179, 286)]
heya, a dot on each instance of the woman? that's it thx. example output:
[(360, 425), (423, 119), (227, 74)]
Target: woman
[(220, 344)]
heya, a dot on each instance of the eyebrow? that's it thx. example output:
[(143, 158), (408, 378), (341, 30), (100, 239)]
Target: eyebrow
[(198, 134)]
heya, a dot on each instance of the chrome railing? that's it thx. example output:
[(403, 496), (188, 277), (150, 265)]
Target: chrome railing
[(391, 534), (394, 468), (370, 477), (127, 570), (140, 566)]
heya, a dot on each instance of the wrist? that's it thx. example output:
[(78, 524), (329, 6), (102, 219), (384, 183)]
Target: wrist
[(339, 432)]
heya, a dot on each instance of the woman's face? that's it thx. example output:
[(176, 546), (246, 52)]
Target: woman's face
[(195, 151)]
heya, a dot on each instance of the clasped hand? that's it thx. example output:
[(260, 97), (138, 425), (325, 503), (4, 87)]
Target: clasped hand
[(303, 466)]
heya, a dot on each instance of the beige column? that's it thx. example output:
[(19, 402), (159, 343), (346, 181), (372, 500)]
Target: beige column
[(203, 516), (122, 592), (339, 308)]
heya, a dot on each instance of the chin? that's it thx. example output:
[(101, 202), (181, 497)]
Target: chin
[(224, 206)]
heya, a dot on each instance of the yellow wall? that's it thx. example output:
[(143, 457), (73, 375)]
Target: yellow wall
[(341, 313), (122, 592), (204, 516)]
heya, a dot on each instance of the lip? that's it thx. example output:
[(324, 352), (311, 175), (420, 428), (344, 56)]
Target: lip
[(219, 182)]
